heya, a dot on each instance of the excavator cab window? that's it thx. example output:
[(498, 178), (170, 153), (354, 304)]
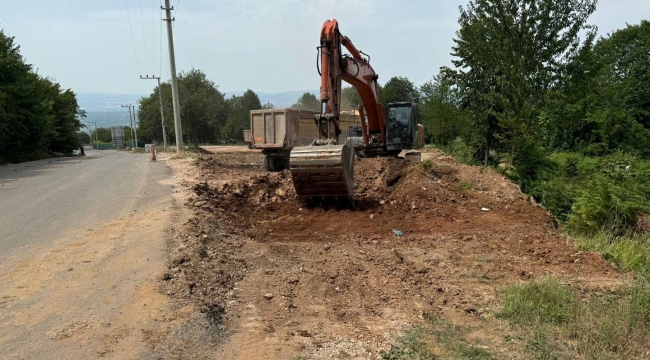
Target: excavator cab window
[(399, 115)]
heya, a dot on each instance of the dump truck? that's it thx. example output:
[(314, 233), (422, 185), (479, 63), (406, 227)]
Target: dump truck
[(277, 131)]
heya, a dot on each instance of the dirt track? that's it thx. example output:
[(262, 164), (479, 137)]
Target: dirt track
[(285, 279)]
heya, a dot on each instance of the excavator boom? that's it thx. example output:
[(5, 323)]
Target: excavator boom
[(325, 168)]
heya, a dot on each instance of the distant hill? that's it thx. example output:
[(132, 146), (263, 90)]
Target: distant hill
[(106, 110), (104, 102)]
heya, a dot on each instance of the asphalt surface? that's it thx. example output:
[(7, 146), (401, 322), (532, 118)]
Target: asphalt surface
[(45, 199), (83, 241)]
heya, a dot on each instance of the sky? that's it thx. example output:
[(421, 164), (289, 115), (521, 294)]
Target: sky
[(97, 46)]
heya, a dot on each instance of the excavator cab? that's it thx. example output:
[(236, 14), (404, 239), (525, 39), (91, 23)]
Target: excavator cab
[(401, 126)]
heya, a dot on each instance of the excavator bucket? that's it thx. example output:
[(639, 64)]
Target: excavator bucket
[(323, 173)]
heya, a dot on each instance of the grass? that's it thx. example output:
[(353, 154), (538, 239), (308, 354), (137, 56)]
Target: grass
[(627, 252), (467, 186), (436, 339), (557, 323), (458, 149), (545, 301), (426, 165)]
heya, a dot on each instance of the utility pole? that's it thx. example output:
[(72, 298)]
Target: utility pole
[(90, 132), (172, 68), (130, 122), (135, 122), (162, 115)]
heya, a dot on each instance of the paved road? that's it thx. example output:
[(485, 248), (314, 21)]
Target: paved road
[(42, 200), (82, 241)]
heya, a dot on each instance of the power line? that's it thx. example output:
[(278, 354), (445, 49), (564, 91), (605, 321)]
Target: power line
[(144, 40), (153, 32), (176, 7), (135, 48), (160, 59), (167, 52)]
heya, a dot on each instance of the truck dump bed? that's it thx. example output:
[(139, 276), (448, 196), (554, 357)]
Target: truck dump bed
[(280, 129)]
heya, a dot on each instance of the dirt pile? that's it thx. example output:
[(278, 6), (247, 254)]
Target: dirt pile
[(294, 279)]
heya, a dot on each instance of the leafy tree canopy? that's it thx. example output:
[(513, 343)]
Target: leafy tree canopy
[(398, 89), (36, 115), (307, 101), (206, 116), (509, 53)]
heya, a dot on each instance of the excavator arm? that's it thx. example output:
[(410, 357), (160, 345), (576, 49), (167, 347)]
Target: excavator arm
[(324, 170), (356, 71)]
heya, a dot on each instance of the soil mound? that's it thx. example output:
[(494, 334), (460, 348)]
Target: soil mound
[(433, 237)]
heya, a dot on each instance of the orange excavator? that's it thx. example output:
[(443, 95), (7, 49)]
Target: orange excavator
[(325, 168)]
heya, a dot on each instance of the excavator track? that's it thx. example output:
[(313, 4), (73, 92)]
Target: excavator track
[(323, 173)]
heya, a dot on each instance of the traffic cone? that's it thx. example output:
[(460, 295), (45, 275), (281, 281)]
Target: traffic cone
[(153, 154)]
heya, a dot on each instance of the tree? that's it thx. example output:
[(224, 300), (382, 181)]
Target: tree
[(350, 98), (623, 112), (566, 118), (602, 105), (239, 112), (203, 107), (103, 134), (150, 124), (398, 89), (205, 114), (627, 64), (307, 101), (84, 138), (36, 115), (509, 53), (203, 110), (443, 118)]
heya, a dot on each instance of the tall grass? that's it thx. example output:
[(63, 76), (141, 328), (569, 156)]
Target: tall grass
[(561, 324), (630, 252), (435, 339)]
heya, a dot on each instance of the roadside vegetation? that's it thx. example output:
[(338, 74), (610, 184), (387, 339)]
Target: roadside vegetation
[(207, 116), (436, 338), (557, 322), (542, 319), (571, 124), (567, 118), (37, 116)]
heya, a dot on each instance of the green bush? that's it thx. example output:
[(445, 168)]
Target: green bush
[(435, 339), (467, 186), (458, 149), (573, 166), (557, 195), (591, 194), (427, 165), (607, 204), (531, 165)]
